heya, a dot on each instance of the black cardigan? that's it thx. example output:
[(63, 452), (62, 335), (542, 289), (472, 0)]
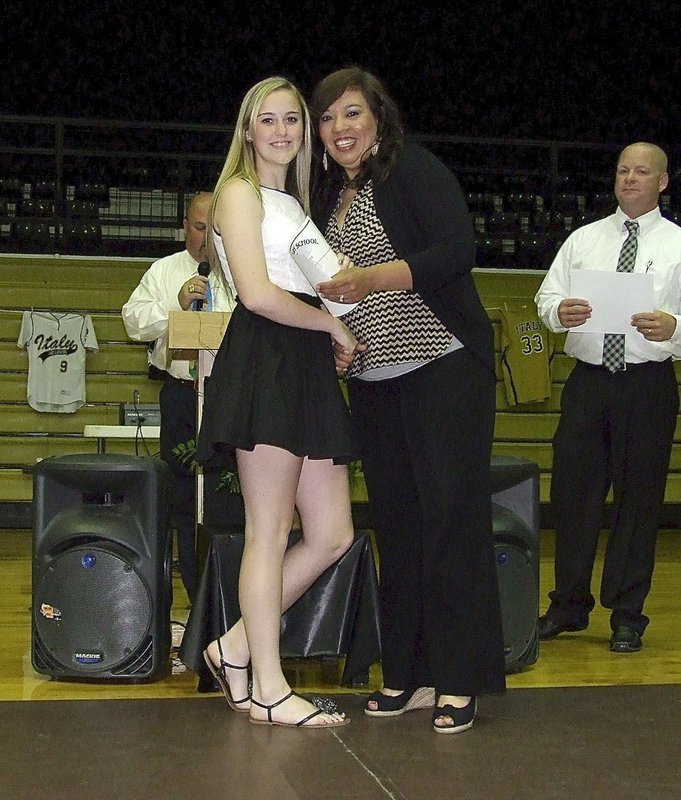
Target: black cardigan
[(423, 211)]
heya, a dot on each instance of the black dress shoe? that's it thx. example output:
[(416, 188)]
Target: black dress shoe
[(548, 629), (625, 640)]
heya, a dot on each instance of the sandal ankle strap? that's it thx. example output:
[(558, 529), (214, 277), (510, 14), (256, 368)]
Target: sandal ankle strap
[(224, 663), (269, 707)]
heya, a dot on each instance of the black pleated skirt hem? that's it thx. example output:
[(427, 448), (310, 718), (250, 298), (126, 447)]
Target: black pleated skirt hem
[(277, 385)]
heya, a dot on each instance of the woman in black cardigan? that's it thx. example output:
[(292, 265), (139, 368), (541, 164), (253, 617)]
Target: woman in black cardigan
[(422, 396)]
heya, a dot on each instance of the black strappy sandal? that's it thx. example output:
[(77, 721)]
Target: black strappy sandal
[(301, 723), (220, 675)]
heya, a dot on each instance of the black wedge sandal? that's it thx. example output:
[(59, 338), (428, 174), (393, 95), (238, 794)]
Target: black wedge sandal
[(408, 700), (462, 718)]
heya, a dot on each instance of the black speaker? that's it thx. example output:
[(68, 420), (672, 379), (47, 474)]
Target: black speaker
[(515, 517), (101, 580)]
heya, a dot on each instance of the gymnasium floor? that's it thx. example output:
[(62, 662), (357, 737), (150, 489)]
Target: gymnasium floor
[(580, 723)]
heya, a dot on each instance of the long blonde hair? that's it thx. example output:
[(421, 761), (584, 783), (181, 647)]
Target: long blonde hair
[(240, 161)]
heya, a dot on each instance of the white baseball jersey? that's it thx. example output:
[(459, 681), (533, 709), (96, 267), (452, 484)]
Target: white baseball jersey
[(56, 344)]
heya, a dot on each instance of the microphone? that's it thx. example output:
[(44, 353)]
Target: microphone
[(203, 269)]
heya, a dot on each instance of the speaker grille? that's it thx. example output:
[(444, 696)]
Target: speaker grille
[(519, 602), (92, 613)]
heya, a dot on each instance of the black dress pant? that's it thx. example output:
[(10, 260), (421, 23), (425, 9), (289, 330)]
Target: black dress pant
[(615, 430), (177, 401), (426, 441)]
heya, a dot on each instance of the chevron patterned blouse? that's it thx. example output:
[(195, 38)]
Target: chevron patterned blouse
[(401, 331)]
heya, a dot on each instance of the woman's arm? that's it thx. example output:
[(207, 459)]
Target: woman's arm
[(353, 284)]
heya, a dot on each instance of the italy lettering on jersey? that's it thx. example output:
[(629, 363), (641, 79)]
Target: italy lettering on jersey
[(56, 344), (526, 352)]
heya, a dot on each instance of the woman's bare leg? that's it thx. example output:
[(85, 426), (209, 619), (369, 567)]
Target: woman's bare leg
[(322, 498), (269, 508)]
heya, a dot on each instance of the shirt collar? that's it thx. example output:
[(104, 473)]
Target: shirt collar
[(645, 221)]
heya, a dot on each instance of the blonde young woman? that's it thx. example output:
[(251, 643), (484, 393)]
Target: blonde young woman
[(273, 401)]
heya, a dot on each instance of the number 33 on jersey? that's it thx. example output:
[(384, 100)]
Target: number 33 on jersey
[(526, 353)]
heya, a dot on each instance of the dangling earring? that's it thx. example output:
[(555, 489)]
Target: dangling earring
[(374, 147), (325, 161)]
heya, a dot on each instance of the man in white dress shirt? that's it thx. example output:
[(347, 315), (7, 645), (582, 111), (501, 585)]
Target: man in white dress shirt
[(618, 416), (172, 284)]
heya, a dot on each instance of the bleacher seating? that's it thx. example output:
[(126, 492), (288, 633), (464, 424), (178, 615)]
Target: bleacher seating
[(602, 203), (100, 287), (122, 210), (81, 209), (11, 188), (130, 181)]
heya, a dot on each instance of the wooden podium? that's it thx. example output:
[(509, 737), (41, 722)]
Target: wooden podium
[(196, 335), (192, 332)]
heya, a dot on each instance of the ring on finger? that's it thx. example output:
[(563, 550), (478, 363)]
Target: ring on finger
[(341, 298), (191, 288)]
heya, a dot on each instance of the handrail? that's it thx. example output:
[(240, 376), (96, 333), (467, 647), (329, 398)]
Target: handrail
[(141, 158)]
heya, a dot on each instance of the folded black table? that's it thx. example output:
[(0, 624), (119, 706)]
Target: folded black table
[(337, 616)]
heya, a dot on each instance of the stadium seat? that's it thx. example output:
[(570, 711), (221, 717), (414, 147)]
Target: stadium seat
[(495, 251), (584, 219), (483, 201), (32, 236), (96, 192), (566, 202), (521, 202), (11, 188), (535, 251), (43, 189), (602, 203), (36, 207), (564, 220), (541, 221), (81, 237), (86, 209), (502, 222)]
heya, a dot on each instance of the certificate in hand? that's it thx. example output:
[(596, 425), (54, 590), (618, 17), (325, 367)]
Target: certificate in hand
[(317, 261), (614, 297)]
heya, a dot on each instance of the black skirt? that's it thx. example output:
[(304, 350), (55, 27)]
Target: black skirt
[(273, 384)]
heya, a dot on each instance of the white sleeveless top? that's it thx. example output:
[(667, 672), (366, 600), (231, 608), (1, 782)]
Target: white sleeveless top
[(283, 218)]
